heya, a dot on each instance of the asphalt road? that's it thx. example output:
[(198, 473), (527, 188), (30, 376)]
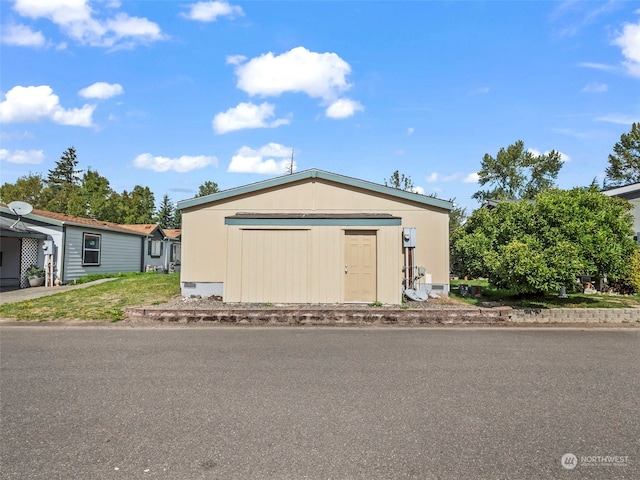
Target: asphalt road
[(114, 402)]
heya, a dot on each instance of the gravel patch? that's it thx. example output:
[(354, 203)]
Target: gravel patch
[(215, 302)]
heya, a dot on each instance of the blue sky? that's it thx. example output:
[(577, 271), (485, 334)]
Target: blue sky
[(169, 94)]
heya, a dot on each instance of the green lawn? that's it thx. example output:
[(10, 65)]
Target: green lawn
[(551, 300), (104, 301)]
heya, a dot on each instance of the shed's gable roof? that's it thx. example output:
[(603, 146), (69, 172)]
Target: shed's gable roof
[(626, 191), (316, 174)]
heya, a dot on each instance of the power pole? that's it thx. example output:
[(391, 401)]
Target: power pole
[(290, 169)]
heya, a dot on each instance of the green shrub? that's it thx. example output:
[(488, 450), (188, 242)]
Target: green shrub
[(630, 283)]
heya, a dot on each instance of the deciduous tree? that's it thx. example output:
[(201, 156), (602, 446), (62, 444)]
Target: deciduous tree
[(207, 188), (137, 206), (516, 173), (400, 181), (94, 198), (28, 188), (538, 246)]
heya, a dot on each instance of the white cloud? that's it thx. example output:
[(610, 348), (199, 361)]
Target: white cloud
[(272, 159), (618, 118), (319, 75), (78, 20), (471, 178), (595, 87), (246, 115), (410, 131), (59, 11), (418, 189), (438, 177), (343, 108), (22, 156), (22, 36), (102, 90), (481, 91), (598, 66), (210, 11), (235, 59), (629, 42), (35, 103), (182, 164)]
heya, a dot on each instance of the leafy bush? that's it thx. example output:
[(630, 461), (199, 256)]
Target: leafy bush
[(630, 283), (533, 247)]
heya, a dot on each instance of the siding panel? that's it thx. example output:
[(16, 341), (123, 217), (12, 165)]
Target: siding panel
[(275, 266), (119, 253)]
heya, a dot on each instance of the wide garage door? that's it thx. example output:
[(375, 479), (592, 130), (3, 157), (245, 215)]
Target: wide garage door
[(275, 266)]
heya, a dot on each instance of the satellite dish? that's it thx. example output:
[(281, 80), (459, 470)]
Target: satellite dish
[(21, 208)]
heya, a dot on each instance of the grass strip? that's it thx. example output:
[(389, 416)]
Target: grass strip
[(550, 300), (103, 301)]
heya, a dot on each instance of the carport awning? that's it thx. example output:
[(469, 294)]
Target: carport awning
[(313, 219), (8, 229)]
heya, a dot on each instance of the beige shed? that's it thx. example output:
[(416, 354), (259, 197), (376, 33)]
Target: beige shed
[(314, 237)]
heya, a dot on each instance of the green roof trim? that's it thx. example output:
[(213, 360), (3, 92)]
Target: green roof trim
[(322, 175)]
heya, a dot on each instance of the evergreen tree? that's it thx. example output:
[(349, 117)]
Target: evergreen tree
[(65, 172), (624, 162), (166, 213), (64, 183)]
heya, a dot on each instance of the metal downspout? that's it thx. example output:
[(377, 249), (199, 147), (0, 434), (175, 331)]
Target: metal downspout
[(62, 253), (142, 267)]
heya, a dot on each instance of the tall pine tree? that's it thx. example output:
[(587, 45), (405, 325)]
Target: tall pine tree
[(624, 162), (64, 183), (166, 213)]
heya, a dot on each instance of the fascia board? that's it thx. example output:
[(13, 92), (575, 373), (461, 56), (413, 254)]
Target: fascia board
[(314, 173)]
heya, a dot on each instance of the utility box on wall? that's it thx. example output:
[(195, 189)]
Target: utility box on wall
[(409, 237), (48, 247)]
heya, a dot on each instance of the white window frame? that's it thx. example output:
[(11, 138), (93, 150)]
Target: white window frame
[(176, 253), (85, 250), (153, 246)]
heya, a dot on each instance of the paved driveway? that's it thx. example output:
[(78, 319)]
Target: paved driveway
[(289, 403), (22, 294)]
